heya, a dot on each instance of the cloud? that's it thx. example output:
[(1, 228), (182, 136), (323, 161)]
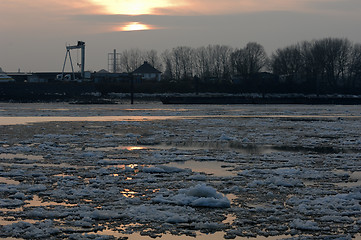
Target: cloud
[(45, 7), (38, 16), (349, 6), (216, 7)]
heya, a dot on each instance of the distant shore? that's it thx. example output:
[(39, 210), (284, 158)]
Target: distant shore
[(90, 93)]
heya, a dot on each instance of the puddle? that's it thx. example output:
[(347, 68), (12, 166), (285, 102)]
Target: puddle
[(239, 147), (19, 156), (43, 119), (193, 146), (232, 145), (105, 149), (230, 219), (235, 146), (354, 180), (216, 168), (8, 181), (255, 149), (168, 236), (8, 221), (128, 193), (315, 149), (356, 175), (51, 165), (37, 202)]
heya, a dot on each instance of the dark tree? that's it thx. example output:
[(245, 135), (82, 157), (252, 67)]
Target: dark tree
[(287, 61), (331, 56), (355, 67), (249, 60)]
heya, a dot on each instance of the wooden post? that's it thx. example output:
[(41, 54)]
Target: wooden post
[(132, 89)]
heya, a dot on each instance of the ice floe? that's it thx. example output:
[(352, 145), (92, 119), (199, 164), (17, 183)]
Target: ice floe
[(289, 172)]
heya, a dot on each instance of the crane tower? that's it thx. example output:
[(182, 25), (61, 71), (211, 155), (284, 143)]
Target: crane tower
[(81, 46)]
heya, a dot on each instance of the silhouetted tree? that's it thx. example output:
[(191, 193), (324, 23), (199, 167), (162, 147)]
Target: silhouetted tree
[(131, 59), (355, 67), (287, 61), (153, 59), (213, 62), (332, 56), (168, 65), (182, 61), (249, 60), (318, 66)]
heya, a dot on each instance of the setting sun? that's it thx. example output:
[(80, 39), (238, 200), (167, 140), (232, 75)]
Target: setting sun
[(134, 26), (132, 7)]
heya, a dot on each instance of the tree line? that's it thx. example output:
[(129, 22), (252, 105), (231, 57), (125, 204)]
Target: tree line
[(329, 65)]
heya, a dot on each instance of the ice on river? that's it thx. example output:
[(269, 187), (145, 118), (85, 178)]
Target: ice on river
[(180, 172)]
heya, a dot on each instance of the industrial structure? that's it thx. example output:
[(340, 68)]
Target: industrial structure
[(114, 62), (144, 73), (81, 46)]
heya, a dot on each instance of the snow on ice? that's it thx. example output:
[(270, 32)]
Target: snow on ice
[(289, 172)]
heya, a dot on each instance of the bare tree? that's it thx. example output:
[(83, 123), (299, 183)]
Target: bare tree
[(131, 59), (287, 61), (183, 62), (225, 61), (168, 62), (249, 60), (202, 63), (355, 67), (213, 61), (153, 59), (332, 55)]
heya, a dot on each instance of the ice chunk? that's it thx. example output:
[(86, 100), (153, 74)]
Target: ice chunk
[(304, 225), (162, 169), (132, 135), (197, 177), (37, 188), (104, 214), (225, 137), (197, 196), (10, 203), (19, 195), (177, 219)]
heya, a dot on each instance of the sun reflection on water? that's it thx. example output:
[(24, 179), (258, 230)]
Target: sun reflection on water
[(128, 193), (132, 148)]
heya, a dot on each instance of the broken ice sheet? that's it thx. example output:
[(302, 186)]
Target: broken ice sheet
[(293, 188)]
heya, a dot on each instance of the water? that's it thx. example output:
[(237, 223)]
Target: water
[(267, 160)]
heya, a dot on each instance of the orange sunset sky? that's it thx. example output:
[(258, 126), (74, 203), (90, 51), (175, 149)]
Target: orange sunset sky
[(33, 34)]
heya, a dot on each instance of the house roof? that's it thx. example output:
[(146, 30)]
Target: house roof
[(102, 71), (146, 68)]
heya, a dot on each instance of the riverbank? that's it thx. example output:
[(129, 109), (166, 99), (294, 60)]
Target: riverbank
[(92, 93)]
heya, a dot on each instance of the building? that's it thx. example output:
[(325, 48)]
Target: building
[(104, 76), (5, 78), (147, 72)]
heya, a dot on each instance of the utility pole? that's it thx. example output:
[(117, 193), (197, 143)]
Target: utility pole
[(115, 61)]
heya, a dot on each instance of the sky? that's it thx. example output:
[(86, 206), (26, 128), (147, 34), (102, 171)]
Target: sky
[(34, 34)]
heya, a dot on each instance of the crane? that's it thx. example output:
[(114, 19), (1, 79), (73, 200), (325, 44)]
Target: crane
[(81, 46)]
